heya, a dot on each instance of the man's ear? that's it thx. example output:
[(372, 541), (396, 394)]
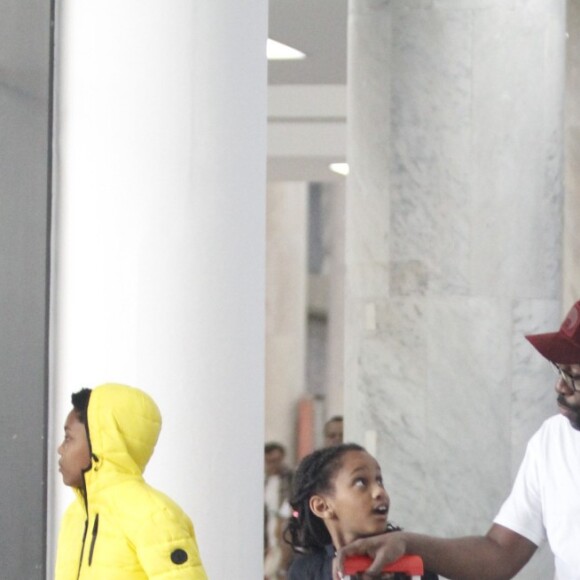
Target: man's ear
[(320, 507)]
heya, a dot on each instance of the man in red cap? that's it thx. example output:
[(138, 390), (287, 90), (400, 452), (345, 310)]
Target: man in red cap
[(562, 349), (544, 503)]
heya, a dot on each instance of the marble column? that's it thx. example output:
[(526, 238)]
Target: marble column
[(159, 238), (571, 275), (286, 294), (453, 246)]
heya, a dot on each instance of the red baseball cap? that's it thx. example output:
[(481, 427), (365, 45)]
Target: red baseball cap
[(562, 347)]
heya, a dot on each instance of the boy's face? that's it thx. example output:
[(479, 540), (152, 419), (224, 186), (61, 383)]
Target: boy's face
[(274, 462), (333, 433), (74, 451)]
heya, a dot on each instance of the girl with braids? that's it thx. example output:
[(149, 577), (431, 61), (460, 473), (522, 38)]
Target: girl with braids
[(338, 496)]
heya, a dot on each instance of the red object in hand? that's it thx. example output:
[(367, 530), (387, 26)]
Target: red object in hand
[(409, 564)]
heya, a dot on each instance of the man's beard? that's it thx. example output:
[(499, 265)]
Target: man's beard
[(575, 409)]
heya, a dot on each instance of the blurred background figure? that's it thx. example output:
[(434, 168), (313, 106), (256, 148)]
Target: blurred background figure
[(277, 490), (333, 429)]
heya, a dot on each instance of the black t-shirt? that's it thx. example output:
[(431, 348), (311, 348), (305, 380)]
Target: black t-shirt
[(314, 566), (318, 566)]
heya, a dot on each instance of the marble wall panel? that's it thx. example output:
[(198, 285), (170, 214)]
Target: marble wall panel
[(532, 383), (411, 4), (517, 152), (469, 402), (473, 5), (367, 252), (430, 157), (571, 283), (391, 394), (435, 411)]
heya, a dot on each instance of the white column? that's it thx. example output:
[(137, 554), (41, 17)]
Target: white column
[(285, 309), (160, 245), (453, 246)]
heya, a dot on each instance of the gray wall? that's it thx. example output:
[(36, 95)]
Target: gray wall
[(25, 134)]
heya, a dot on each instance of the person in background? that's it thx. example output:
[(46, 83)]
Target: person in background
[(544, 503), (338, 496), (119, 527), (333, 431), (277, 488)]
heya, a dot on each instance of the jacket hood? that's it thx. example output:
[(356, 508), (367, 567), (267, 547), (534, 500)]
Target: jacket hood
[(123, 424)]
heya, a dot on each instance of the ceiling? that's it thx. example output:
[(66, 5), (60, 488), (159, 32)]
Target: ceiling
[(317, 28), (307, 98)]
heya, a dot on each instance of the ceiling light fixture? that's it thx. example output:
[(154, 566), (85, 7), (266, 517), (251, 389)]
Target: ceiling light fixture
[(278, 51), (340, 168)]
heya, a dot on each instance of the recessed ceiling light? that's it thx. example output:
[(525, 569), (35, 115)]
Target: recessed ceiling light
[(340, 168), (278, 51)]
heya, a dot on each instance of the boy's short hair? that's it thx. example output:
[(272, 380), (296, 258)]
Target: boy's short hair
[(335, 419), (80, 402), (274, 446)]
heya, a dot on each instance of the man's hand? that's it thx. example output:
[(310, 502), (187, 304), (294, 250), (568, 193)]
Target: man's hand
[(383, 549)]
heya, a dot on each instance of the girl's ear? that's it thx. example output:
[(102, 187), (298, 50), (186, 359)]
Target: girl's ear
[(320, 507)]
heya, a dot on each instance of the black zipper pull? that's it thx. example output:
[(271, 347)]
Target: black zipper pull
[(94, 538), (83, 548)]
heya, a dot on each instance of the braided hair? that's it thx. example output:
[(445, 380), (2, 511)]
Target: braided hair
[(306, 532)]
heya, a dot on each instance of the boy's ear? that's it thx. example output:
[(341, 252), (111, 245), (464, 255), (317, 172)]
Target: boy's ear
[(320, 507)]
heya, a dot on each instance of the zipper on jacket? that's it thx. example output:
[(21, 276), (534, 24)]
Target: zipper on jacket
[(94, 538), (83, 547)]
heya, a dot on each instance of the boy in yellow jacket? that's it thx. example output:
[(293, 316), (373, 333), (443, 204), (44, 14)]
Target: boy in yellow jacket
[(119, 528)]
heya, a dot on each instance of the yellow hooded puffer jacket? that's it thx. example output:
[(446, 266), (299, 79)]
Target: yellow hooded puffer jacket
[(120, 528)]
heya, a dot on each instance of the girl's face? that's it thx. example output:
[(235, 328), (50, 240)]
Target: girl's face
[(358, 504)]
